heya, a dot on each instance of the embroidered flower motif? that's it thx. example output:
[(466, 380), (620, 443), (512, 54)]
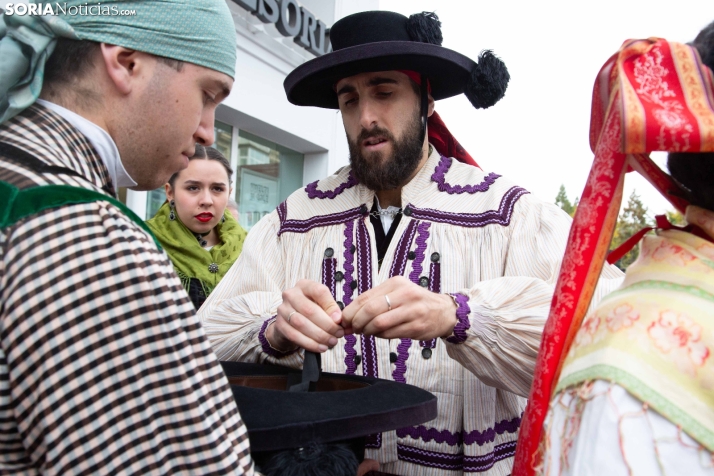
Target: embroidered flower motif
[(672, 254), (620, 317), (649, 73), (587, 333), (678, 336), (670, 119), (707, 250)]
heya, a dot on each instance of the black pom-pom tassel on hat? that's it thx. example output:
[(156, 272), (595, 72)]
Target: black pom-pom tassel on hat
[(488, 81), (425, 27)]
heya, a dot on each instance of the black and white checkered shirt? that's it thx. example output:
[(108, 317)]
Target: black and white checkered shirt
[(104, 368)]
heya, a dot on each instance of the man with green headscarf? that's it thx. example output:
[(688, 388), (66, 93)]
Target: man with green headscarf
[(103, 365)]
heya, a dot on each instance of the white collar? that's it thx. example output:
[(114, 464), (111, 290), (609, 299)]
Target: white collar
[(387, 218), (100, 140)]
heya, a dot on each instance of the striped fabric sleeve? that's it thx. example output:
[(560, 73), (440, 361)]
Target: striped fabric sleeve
[(103, 364), (237, 312), (507, 314)]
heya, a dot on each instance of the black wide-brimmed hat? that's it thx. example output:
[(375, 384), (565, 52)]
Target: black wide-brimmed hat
[(285, 408), (386, 41)]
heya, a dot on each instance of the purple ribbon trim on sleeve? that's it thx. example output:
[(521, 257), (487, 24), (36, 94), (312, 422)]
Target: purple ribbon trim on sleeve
[(439, 176), (462, 319), (264, 341), (313, 192)]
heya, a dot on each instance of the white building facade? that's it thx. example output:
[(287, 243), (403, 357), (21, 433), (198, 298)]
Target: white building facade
[(274, 147)]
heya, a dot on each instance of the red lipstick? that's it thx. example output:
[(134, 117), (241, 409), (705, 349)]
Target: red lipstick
[(204, 217)]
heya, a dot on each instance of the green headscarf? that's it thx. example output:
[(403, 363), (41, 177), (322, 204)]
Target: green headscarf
[(189, 258), (196, 31)]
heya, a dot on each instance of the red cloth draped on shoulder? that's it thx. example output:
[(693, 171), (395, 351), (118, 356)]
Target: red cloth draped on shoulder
[(439, 135), (651, 95)]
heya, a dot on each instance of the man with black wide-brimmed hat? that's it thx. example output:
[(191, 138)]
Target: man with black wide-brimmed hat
[(412, 264)]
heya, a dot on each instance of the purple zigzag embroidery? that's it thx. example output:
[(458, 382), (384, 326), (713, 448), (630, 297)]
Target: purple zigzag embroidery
[(364, 282), (302, 226), (445, 436), (456, 462), (487, 436), (350, 340), (328, 274), (435, 287), (313, 192), (422, 237), (370, 366), (430, 434), (400, 255), (282, 213), (479, 464), (439, 176), (502, 216), (431, 459), (398, 266), (462, 319), (265, 345)]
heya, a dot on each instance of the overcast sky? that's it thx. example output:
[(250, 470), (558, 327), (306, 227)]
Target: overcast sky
[(537, 135)]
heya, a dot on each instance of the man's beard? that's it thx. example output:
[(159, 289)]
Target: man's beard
[(380, 173)]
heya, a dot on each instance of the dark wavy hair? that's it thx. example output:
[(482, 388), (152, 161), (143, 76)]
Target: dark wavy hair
[(694, 172), (207, 153)]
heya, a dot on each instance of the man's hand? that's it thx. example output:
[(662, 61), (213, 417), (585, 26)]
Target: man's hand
[(308, 317), (408, 312)]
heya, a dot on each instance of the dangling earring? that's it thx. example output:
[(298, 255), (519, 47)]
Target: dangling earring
[(172, 215), (223, 218)]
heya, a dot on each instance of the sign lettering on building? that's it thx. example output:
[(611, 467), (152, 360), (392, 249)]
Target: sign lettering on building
[(292, 20)]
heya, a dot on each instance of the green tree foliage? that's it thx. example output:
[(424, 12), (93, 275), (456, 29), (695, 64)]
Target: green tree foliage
[(564, 202), (676, 218), (631, 220)]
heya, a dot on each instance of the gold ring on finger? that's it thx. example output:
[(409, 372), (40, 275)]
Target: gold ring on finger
[(289, 316), (389, 303)]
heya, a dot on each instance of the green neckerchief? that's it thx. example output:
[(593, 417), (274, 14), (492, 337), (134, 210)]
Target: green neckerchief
[(189, 258)]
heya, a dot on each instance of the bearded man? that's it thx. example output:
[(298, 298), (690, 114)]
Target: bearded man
[(104, 368), (411, 264)]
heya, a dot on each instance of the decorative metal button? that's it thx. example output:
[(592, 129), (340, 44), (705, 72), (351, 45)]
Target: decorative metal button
[(392, 357), (353, 248), (411, 255), (426, 353), (341, 305), (339, 276), (329, 253), (353, 284), (423, 281), (407, 211), (213, 267), (435, 257), (358, 359), (363, 209)]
